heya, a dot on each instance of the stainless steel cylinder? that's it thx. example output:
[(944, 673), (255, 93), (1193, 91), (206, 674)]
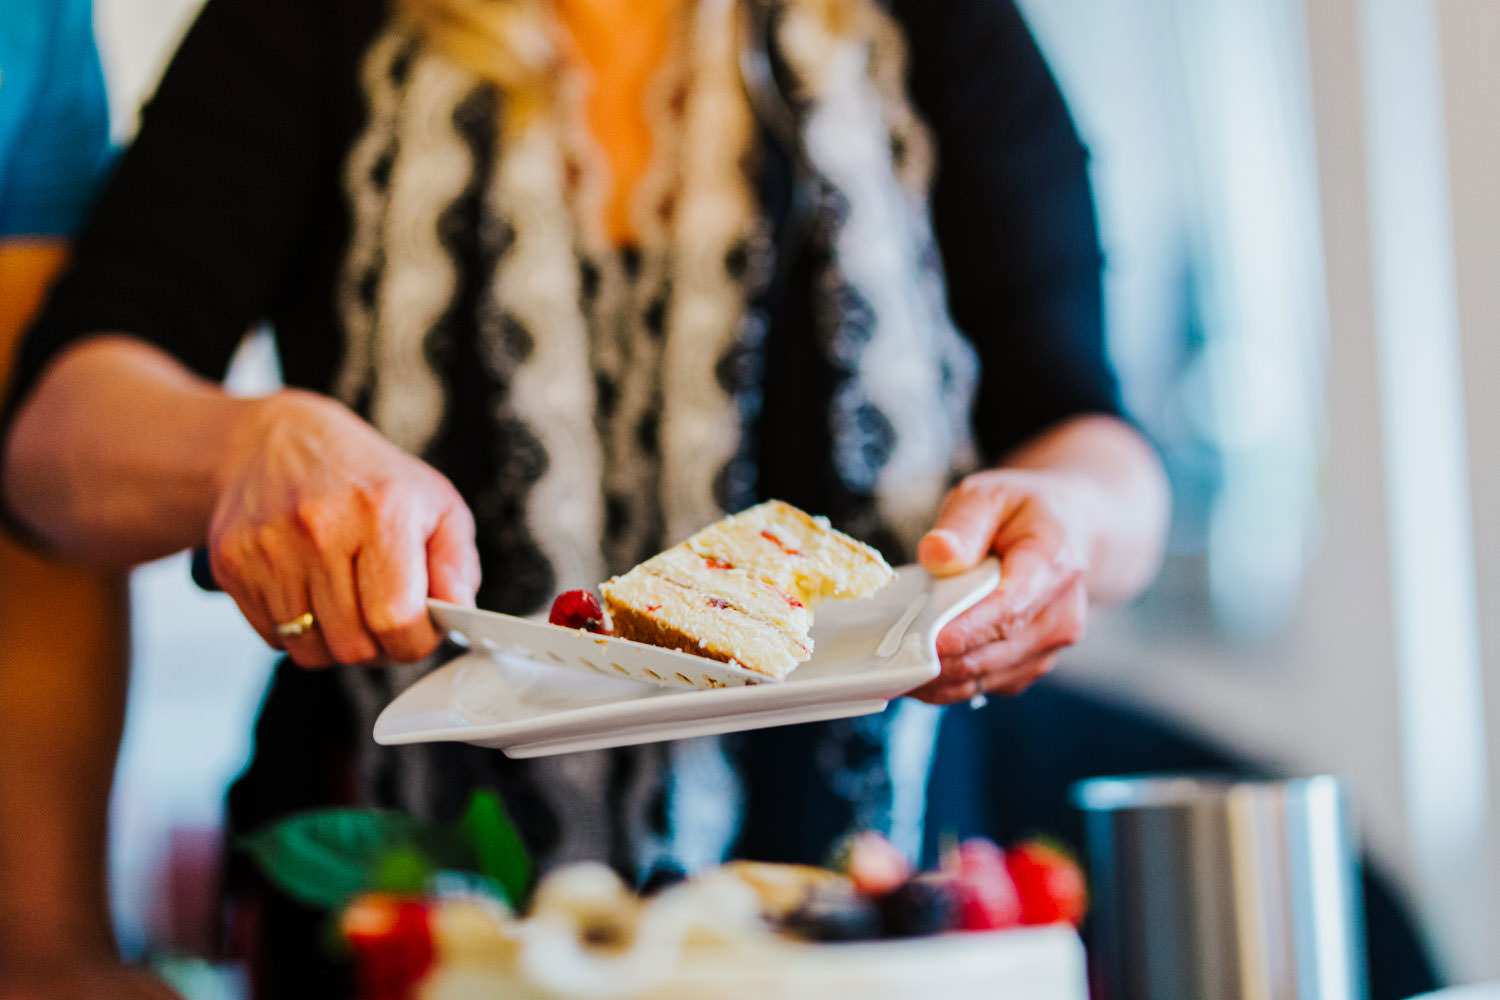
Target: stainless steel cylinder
[(1217, 889)]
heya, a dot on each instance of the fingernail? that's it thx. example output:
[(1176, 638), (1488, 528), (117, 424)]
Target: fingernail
[(941, 547), (955, 544)]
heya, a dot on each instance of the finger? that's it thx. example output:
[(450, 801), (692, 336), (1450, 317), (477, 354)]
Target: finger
[(1005, 613), (255, 613), (1030, 579), (306, 648), (1060, 624), (230, 558), (1023, 675), (940, 692), (452, 559), (979, 626), (971, 516), (1011, 679), (391, 578), (281, 583), (335, 603)]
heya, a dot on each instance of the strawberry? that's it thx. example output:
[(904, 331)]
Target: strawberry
[(982, 886), (578, 609), (874, 864), (391, 938), (1050, 883)]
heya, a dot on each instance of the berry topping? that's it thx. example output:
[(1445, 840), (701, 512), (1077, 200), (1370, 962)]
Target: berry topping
[(975, 856), (578, 609), (717, 602), (1050, 883), (986, 893), (775, 540), (873, 864), (789, 598), (925, 905), (391, 938), (834, 914)]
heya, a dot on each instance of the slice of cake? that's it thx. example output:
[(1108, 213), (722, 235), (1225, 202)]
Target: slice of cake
[(740, 590)]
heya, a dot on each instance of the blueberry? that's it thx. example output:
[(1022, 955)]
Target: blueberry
[(920, 906), (833, 915)]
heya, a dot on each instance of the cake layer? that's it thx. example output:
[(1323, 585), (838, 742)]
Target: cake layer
[(650, 608), (742, 590), (794, 552), (739, 590)]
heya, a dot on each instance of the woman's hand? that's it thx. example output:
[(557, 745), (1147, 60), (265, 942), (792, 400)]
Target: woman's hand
[(317, 512), (1039, 523)]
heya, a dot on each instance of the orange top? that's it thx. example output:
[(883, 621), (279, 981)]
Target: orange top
[(621, 44)]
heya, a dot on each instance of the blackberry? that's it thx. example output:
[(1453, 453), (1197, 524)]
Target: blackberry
[(833, 915), (921, 906)]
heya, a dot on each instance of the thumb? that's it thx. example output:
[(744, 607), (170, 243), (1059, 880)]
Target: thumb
[(452, 559), (965, 530)]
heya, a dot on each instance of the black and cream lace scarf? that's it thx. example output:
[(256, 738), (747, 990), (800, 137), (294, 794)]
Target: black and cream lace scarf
[(626, 383)]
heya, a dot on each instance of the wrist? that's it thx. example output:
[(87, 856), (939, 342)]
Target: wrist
[(256, 420)]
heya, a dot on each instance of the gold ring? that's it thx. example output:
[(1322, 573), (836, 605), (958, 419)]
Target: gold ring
[(304, 622)]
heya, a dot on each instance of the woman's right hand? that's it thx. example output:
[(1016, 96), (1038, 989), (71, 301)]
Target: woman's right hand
[(318, 512)]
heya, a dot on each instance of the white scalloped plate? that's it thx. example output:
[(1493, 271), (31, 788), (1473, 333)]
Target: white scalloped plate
[(532, 689)]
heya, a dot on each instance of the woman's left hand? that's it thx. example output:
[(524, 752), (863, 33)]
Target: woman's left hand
[(1038, 523)]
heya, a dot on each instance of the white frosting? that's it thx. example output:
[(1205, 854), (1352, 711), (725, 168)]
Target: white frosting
[(705, 939)]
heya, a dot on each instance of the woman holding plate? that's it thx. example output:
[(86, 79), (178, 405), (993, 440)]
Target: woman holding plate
[(555, 283)]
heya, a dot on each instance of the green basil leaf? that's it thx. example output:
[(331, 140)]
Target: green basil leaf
[(325, 858), (497, 845)]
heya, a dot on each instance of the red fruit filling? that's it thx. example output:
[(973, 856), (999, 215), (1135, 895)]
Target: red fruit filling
[(578, 609), (717, 602), (771, 537), (714, 562)]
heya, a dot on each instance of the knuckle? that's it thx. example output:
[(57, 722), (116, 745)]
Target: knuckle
[(267, 539), (355, 648), (384, 499), (320, 519), (976, 486), (232, 555), (387, 623)]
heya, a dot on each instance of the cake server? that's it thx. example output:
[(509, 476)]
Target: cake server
[(916, 615)]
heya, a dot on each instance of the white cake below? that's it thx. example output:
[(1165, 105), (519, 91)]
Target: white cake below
[(1034, 963), (586, 939)]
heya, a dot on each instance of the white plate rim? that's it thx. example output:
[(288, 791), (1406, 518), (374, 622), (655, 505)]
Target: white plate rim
[(951, 596)]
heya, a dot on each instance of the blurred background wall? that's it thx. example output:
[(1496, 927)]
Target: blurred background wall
[(1297, 204)]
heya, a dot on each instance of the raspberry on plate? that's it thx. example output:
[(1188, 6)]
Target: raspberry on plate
[(983, 886), (578, 609), (1050, 883)]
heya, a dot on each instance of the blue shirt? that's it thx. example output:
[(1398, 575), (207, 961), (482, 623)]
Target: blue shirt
[(54, 119)]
